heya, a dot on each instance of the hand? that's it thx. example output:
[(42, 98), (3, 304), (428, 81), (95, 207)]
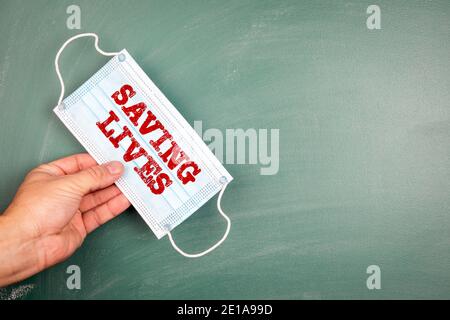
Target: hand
[(54, 209)]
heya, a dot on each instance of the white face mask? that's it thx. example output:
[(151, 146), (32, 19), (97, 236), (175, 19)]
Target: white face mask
[(119, 114)]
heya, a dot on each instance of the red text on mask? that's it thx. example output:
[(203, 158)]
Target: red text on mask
[(172, 155)]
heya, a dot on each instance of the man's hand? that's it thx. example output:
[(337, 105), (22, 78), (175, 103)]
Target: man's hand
[(56, 206)]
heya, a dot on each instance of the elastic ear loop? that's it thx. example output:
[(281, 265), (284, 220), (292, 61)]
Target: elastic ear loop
[(197, 255), (81, 35)]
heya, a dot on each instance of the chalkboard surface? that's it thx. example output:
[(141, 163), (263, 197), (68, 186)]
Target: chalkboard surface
[(364, 155)]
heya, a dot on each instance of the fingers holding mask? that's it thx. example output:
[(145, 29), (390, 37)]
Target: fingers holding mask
[(96, 177), (69, 165), (101, 214), (99, 197)]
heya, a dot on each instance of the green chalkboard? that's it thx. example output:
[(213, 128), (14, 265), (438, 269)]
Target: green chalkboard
[(364, 155)]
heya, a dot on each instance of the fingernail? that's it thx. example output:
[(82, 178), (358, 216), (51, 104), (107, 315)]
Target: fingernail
[(114, 167)]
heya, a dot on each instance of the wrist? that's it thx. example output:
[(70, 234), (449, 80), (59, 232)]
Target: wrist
[(18, 254)]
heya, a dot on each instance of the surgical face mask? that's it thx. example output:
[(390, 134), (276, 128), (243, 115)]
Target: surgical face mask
[(120, 114)]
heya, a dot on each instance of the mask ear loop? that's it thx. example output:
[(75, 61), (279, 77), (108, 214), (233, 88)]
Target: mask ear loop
[(81, 35), (197, 255)]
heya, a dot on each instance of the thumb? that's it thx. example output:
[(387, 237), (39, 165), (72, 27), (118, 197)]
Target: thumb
[(96, 177)]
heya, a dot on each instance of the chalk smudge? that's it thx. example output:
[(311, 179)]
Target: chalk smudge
[(16, 292)]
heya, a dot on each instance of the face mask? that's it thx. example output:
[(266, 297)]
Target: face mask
[(120, 114)]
